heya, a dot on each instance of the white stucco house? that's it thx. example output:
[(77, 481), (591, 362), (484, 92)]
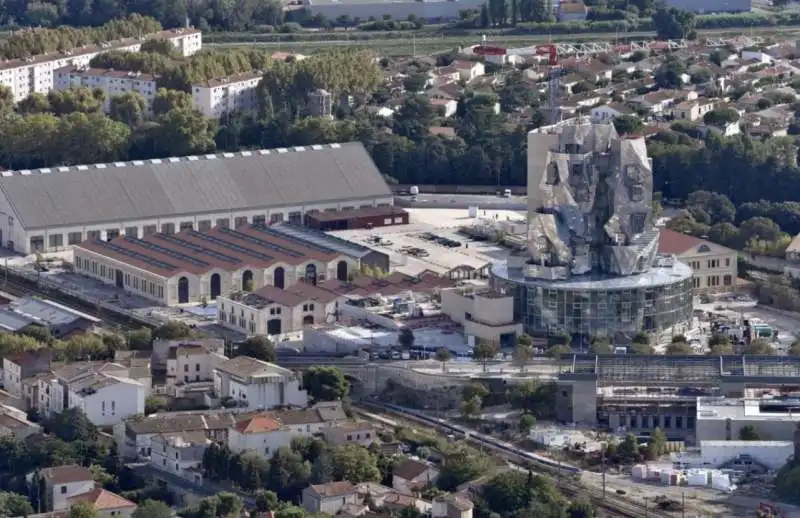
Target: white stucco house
[(258, 385)]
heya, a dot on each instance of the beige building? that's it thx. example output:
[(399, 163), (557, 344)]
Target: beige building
[(714, 266), (329, 498), (411, 476), (361, 433), (271, 311), (485, 315), (192, 363)]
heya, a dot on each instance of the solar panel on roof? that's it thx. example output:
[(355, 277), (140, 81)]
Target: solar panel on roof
[(260, 242), (294, 239), (197, 248), (166, 251), (320, 237), (136, 255), (232, 246)]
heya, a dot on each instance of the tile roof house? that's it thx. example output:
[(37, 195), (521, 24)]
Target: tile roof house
[(65, 482), (412, 475), (106, 503), (329, 498), (714, 267)]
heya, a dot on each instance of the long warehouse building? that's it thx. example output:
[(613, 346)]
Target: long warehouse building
[(47, 210)]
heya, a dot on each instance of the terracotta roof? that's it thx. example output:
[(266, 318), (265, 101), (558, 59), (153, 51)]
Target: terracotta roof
[(334, 488), (67, 474), (672, 242), (102, 500), (260, 423), (410, 469), (200, 252)]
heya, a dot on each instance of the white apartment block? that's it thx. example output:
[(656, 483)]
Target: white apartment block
[(227, 94), (180, 454), (35, 74), (107, 400), (258, 385), (112, 82)]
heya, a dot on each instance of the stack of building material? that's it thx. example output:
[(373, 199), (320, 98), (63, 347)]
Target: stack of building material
[(697, 477)]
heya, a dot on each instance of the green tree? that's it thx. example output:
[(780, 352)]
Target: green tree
[(463, 464), (288, 474), (600, 345), (415, 83), (758, 347), (658, 443), (628, 449), (258, 347), (508, 492), (129, 108), (152, 509), (674, 24), (443, 356), (72, 425), (526, 423), (668, 75), (749, 433), (166, 101), (14, 504), (172, 330), (721, 117), (794, 349), (355, 464), (557, 350), (266, 501), (484, 351), (82, 510), (581, 508), (140, 339), (325, 384), (640, 343), (471, 407), (679, 348), (626, 124), (154, 403), (522, 355)]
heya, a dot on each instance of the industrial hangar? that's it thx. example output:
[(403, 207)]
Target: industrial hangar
[(49, 209), (193, 266)]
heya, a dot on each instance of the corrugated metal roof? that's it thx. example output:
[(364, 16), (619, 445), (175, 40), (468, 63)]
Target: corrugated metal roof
[(129, 191)]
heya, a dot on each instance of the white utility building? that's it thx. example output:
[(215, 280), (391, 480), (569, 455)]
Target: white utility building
[(134, 199)]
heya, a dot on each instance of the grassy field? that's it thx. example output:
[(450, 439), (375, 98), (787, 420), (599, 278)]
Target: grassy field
[(426, 44)]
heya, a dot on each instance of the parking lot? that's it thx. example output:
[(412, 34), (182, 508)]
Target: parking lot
[(432, 242)]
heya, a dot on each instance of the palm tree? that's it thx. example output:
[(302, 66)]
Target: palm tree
[(443, 355)]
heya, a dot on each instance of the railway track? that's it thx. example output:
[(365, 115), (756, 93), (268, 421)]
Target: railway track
[(614, 505), (19, 286)]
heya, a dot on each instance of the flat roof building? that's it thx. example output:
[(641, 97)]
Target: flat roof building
[(103, 201), (35, 74), (112, 82), (222, 95), (360, 218)]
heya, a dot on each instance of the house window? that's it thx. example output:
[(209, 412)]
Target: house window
[(63, 490), (73, 238), (576, 170), (727, 262), (259, 220), (186, 368), (56, 240), (197, 367), (204, 225), (149, 229), (93, 235), (552, 174), (727, 280), (131, 231), (239, 221), (168, 228), (223, 223), (187, 225)]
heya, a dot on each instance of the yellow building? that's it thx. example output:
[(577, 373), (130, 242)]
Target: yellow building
[(714, 266)]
